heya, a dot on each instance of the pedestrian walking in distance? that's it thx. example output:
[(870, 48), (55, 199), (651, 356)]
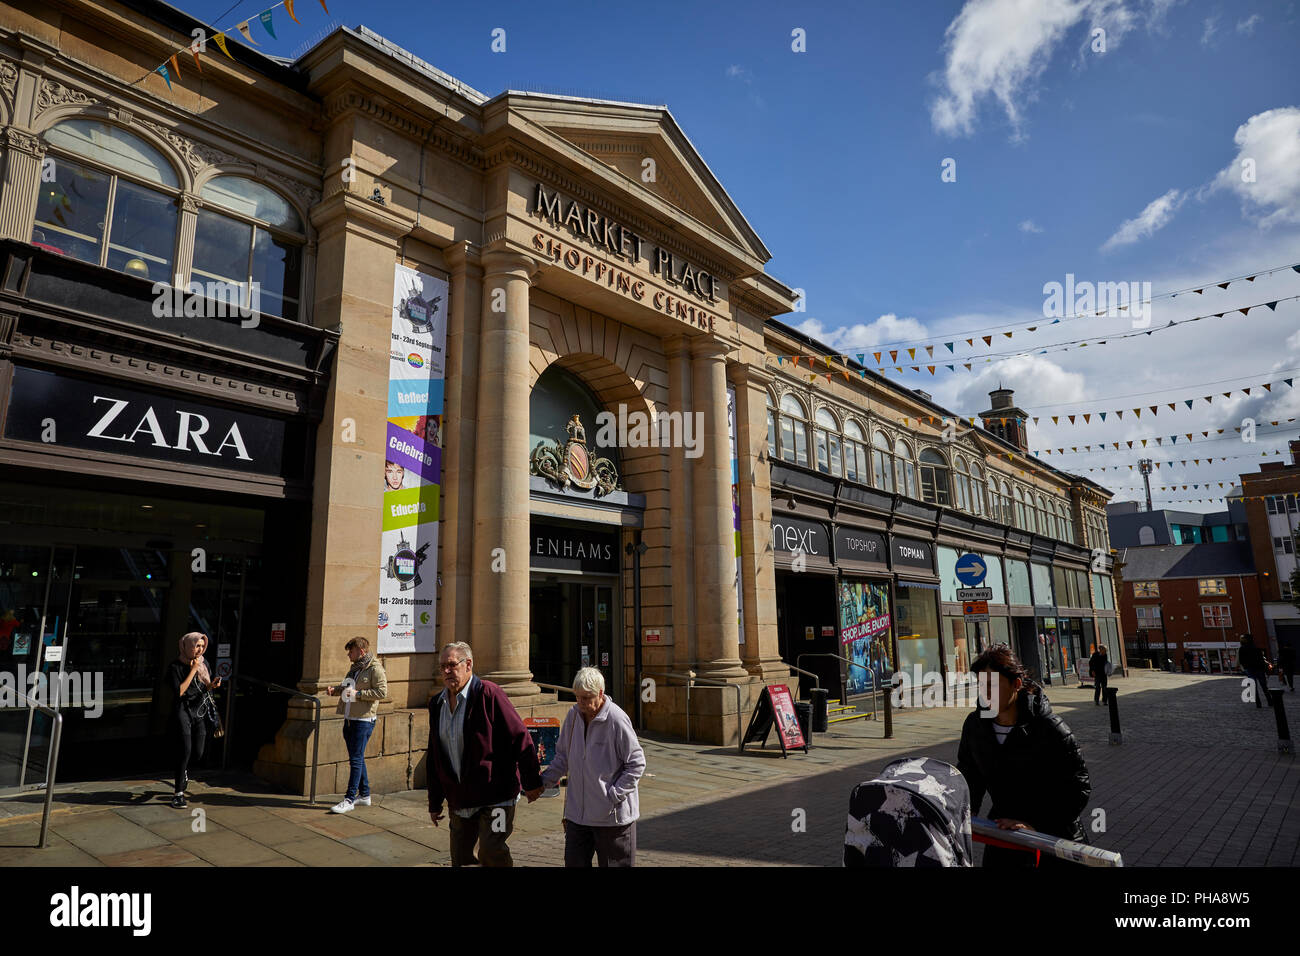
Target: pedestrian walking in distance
[(362, 690), (1023, 756), (599, 751), (1252, 661), (1099, 666)]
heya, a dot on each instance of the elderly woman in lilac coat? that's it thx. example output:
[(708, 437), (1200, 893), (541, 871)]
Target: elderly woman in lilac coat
[(599, 751)]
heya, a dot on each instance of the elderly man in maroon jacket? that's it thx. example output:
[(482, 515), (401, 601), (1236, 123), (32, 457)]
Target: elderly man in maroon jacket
[(479, 755)]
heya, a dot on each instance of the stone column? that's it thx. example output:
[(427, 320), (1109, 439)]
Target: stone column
[(23, 156), (500, 569), (713, 551), (677, 350), (458, 444), (761, 649), (189, 220)]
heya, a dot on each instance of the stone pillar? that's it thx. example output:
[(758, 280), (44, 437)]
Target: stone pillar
[(500, 547), (458, 444), (23, 156), (189, 220), (713, 551), (761, 649), (677, 351)]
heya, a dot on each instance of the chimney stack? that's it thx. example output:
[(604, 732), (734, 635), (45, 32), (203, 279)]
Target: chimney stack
[(1005, 420)]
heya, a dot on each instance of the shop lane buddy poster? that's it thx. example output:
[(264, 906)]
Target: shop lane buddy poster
[(864, 633), (413, 464)]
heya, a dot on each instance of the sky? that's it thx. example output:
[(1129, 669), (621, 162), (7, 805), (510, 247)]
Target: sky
[(924, 171)]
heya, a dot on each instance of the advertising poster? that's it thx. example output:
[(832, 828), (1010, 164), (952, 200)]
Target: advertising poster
[(787, 721), (413, 465), (864, 633), (545, 732), (735, 508)]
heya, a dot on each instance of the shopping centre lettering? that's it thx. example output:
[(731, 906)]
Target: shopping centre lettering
[(618, 240)]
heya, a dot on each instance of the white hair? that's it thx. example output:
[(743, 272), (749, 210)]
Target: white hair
[(461, 649), (589, 681)]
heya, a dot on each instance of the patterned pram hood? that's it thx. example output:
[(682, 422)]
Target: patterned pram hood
[(916, 813)]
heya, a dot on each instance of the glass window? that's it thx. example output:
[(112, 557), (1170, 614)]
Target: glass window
[(1018, 582), (1102, 595), (1212, 586), (976, 489), (934, 478), (1216, 615), (882, 462), (1006, 503), (794, 430), (960, 488), (999, 630), (1081, 589), (906, 468), (828, 443), (113, 147), (918, 629), (1019, 506), (958, 647), (250, 252), (994, 578), (855, 452), (1041, 575), (948, 574), (771, 430), (1146, 589), (98, 216)]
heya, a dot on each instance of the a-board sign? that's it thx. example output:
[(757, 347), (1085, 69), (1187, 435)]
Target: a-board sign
[(775, 707), (545, 732)]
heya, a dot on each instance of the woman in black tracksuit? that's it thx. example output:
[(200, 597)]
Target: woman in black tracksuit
[(1025, 758), (189, 678)]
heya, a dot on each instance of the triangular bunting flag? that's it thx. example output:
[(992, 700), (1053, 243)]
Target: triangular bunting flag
[(893, 355), (948, 345), (929, 350), (931, 368), (221, 42), (876, 356), (1103, 415), (967, 364), (1268, 386), (175, 66), (1071, 418), (911, 353), (916, 368), (970, 342), (197, 64), (1188, 402), (243, 31), (1246, 390), (952, 368), (1223, 285), (1272, 306), (288, 7), (1056, 419), (163, 70), (265, 17), (988, 339)]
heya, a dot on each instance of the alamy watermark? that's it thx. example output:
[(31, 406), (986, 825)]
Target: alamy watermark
[(73, 689), (926, 689), (638, 429), (1109, 299), (213, 300)]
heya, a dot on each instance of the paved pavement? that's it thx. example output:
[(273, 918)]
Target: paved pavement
[(1197, 781)]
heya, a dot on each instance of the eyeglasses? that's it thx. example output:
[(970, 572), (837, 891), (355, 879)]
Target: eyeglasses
[(444, 665)]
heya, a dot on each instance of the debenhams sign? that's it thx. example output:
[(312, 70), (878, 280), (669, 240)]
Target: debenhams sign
[(622, 243)]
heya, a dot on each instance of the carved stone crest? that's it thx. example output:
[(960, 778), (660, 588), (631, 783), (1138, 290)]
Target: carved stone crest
[(573, 464), (56, 94)]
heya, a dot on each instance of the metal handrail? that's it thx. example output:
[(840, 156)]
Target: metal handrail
[(557, 687), (56, 735), (315, 737), (706, 682)]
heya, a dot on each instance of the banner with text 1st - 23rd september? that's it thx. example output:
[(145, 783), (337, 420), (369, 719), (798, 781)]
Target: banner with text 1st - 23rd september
[(408, 582)]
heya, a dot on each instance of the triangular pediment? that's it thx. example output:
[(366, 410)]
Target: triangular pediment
[(623, 137)]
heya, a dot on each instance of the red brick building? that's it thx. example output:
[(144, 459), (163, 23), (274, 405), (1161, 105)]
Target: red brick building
[(1191, 603), (1272, 515)]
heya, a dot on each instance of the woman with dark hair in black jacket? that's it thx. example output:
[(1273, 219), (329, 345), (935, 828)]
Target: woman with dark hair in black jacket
[(1023, 756)]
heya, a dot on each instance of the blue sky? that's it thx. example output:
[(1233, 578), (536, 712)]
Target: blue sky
[(1122, 165)]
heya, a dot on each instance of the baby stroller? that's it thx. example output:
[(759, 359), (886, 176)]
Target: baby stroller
[(916, 813)]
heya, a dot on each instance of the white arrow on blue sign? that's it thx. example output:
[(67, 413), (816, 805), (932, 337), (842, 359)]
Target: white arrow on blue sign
[(971, 570)]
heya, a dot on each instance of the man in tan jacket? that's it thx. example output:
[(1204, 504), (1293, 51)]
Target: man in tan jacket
[(362, 690)]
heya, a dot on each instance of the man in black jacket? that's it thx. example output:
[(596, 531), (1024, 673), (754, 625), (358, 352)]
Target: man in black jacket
[(1025, 758), (1097, 667), (1252, 661)]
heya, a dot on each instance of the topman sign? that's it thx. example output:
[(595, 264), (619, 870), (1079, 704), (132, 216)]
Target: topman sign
[(622, 243)]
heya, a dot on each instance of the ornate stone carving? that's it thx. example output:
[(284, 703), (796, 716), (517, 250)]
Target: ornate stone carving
[(196, 155), (572, 464), (305, 193), (56, 94), (8, 78), (190, 203), (24, 142)]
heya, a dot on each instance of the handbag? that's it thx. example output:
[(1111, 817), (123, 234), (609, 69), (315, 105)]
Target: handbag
[(211, 716)]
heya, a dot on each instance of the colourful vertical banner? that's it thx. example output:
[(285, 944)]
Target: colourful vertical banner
[(408, 583), (735, 509)]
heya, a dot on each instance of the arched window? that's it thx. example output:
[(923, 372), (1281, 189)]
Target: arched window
[(827, 438), (961, 490), (114, 206), (855, 452), (1019, 506), (1005, 491), (254, 242), (934, 478), (1062, 521), (1146, 535), (794, 430), (905, 467), (882, 462), (976, 489), (557, 397), (771, 428), (1043, 526)]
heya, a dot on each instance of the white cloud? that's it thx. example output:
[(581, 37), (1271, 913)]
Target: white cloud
[(1029, 225), (1036, 379), (999, 49), (1146, 223), (1211, 27), (1247, 26), (887, 328), (1272, 140), (738, 72)]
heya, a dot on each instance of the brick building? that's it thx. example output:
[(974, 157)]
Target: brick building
[(1272, 516)]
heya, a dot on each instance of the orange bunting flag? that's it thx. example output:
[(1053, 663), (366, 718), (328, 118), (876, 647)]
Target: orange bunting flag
[(916, 368), (1071, 417), (243, 29), (876, 355), (1087, 419), (1155, 410), (970, 342), (931, 368), (988, 339), (197, 64), (175, 68), (325, 8), (893, 355), (1171, 407), (288, 8), (967, 364), (1007, 334)]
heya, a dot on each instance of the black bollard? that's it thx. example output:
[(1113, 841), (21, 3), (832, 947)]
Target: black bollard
[(1115, 736), (889, 710), (1283, 732)]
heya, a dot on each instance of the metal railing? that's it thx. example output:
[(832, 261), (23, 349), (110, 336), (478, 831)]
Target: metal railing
[(278, 688), (876, 685), (691, 679), (56, 734), (556, 687)]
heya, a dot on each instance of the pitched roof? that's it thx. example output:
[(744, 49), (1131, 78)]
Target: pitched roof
[(1156, 561)]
